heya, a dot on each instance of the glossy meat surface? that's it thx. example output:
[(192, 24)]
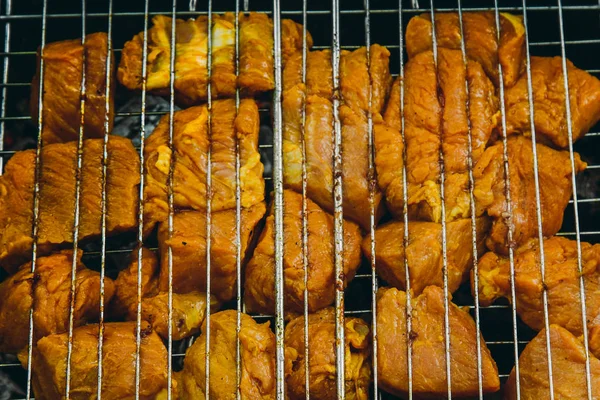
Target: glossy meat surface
[(48, 292), (188, 244), (189, 154), (257, 348), (561, 281), (317, 96), (57, 197), (425, 255), (63, 65), (260, 271), (436, 119), (321, 345), (568, 369), (118, 365), (481, 40), (550, 119), (554, 169), (191, 56), (428, 354)]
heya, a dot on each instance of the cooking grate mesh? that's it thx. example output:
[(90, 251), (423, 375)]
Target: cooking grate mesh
[(571, 29)]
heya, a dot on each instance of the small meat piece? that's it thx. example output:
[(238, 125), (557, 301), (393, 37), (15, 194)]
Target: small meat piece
[(568, 369), (554, 169), (191, 143), (321, 347), (260, 271), (49, 363), (48, 293), (431, 126), (57, 197), (425, 255), (188, 309), (317, 96), (63, 64), (481, 40), (188, 245), (191, 57), (257, 351), (561, 281), (428, 347), (550, 117)]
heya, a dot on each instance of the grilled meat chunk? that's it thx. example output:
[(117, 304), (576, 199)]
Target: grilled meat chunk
[(432, 125), (188, 246), (321, 346), (554, 169), (424, 253), (317, 96), (568, 367), (188, 308), (48, 293), (57, 197), (257, 348), (428, 347), (561, 282), (260, 271), (191, 143), (550, 117), (191, 57), (481, 40), (118, 363), (63, 65)]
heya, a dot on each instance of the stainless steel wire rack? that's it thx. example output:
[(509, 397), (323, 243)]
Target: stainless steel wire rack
[(565, 28)]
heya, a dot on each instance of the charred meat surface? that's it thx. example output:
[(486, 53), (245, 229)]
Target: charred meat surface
[(191, 57), (321, 344), (49, 363), (555, 185), (424, 253), (63, 67), (257, 348), (260, 270), (57, 197), (428, 347), (48, 293), (317, 96), (561, 281), (189, 155)]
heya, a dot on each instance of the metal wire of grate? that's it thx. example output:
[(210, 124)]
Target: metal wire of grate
[(504, 333)]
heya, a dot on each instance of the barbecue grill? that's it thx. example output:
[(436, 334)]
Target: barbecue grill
[(570, 30)]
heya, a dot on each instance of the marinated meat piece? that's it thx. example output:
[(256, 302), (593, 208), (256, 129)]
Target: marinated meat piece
[(550, 117), (430, 125), (428, 347), (48, 293), (188, 309), (118, 363), (191, 143), (321, 347), (481, 40), (554, 169), (257, 351), (425, 255), (561, 281), (57, 197), (568, 369), (260, 271), (188, 245), (63, 64), (191, 57), (355, 79)]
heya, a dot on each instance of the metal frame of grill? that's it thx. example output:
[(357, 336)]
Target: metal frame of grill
[(277, 177)]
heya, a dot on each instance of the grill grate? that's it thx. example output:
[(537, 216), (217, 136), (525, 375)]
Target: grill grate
[(333, 25)]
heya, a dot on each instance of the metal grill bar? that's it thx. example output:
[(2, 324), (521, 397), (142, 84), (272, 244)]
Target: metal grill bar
[(538, 205), (5, 81)]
